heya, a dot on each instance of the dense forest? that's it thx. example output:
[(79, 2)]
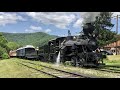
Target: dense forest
[(22, 39), (4, 49)]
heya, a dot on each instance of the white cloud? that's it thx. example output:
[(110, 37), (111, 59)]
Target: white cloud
[(63, 19), (48, 30), (78, 23), (14, 32), (29, 30), (115, 13), (59, 19), (9, 18), (33, 29)]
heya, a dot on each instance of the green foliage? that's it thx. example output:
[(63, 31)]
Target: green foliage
[(35, 39), (12, 45), (5, 56), (3, 47), (103, 25), (2, 50), (2, 39), (68, 63), (3, 53)]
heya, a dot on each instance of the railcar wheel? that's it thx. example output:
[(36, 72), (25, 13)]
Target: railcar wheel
[(81, 62), (42, 59)]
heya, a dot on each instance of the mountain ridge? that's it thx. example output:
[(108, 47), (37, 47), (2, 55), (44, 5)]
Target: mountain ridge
[(35, 39)]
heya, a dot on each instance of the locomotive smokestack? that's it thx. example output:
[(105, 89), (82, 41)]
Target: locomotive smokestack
[(88, 29)]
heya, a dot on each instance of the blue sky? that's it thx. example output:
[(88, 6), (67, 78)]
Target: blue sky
[(54, 23)]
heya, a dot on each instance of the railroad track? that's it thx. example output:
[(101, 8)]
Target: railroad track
[(108, 70), (57, 73)]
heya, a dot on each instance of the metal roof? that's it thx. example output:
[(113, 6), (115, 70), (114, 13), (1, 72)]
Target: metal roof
[(27, 46)]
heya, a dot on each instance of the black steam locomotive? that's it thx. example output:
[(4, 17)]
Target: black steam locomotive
[(79, 50)]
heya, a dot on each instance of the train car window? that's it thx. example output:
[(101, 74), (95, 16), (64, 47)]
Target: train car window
[(30, 50)]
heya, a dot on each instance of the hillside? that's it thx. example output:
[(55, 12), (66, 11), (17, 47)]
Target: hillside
[(22, 39)]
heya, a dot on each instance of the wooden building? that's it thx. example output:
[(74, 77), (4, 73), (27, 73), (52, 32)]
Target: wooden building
[(115, 46)]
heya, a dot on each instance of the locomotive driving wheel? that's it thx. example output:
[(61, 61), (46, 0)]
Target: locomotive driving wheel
[(81, 62), (74, 61)]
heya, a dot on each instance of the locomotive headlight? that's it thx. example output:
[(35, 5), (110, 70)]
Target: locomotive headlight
[(74, 37)]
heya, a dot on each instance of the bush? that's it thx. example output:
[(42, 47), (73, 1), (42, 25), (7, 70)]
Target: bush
[(68, 63), (3, 53), (12, 45), (104, 56), (2, 50), (5, 56)]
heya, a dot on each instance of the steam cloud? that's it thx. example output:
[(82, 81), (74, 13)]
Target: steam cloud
[(88, 16)]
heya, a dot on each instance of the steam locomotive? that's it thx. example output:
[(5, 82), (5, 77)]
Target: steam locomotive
[(78, 50)]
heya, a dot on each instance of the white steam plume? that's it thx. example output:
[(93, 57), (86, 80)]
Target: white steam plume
[(89, 16)]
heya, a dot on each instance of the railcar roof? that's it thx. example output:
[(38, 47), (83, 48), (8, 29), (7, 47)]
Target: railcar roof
[(28, 46), (56, 38)]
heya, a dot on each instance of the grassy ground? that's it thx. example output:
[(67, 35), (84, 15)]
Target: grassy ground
[(112, 60), (113, 57), (91, 72), (10, 69)]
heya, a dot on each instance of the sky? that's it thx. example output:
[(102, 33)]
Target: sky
[(53, 23)]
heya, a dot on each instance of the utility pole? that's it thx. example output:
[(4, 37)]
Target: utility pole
[(116, 31)]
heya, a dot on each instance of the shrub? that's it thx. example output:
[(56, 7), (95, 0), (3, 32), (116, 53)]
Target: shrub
[(3, 53), (104, 56), (68, 63), (2, 50), (5, 56)]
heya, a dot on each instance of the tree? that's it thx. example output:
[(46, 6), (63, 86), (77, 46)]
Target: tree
[(103, 27), (3, 47), (12, 45), (3, 41)]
